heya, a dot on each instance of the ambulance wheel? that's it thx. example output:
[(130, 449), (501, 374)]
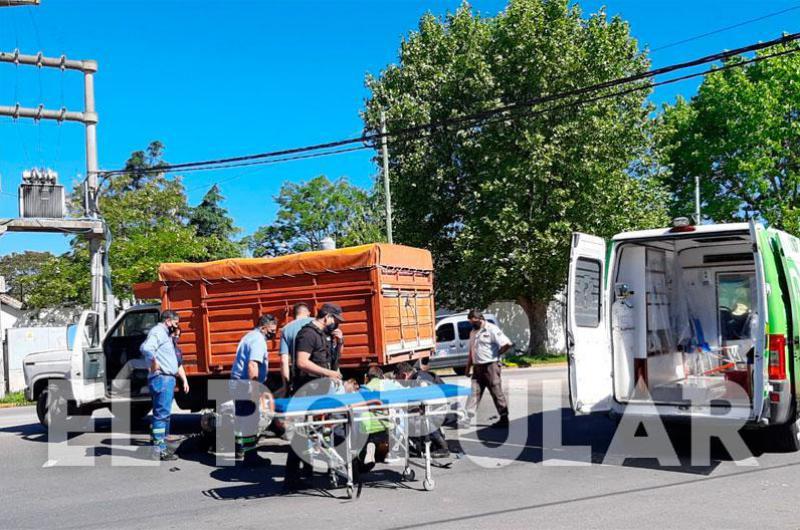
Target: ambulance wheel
[(409, 475), (787, 436), (428, 484), (349, 492)]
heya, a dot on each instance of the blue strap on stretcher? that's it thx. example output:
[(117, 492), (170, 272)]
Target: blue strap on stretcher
[(388, 397)]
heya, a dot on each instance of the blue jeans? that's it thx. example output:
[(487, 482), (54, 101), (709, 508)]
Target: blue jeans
[(162, 390)]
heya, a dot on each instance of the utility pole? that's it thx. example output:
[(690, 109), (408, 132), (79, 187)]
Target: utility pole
[(93, 227), (386, 189), (697, 218)]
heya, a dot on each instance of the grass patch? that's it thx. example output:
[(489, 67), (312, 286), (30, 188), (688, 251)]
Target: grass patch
[(15, 399), (521, 361)]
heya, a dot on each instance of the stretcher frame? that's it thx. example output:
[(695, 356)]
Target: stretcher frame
[(316, 427)]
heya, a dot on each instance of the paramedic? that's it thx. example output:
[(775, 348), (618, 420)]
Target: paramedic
[(486, 344), (250, 365), (302, 316), (313, 348), (159, 351)]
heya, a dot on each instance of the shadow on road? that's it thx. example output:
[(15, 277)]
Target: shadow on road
[(596, 432)]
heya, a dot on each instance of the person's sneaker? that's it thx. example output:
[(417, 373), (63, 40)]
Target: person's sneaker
[(369, 456), (502, 423)]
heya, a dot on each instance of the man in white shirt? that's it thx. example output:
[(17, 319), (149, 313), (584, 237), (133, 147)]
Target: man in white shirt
[(487, 343)]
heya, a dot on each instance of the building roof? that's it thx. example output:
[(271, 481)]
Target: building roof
[(10, 301)]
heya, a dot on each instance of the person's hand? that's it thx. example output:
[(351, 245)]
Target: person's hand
[(336, 375), (154, 366), (467, 372), (338, 335), (185, 386)]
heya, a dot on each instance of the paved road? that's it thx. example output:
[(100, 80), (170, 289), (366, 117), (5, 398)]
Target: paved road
[(498, 487)]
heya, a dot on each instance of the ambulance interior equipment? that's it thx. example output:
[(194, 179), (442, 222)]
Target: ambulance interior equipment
[(318, 418), (684, 319)]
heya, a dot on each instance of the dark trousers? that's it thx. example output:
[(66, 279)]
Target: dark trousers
[(487, 376)]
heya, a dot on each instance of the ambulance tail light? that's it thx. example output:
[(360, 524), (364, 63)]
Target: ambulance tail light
[(777, 357)]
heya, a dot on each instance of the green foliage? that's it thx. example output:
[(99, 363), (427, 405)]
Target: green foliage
[(14, 399), (18, 266), (150, 223), (311, 211), (213, 224), (496, 204), (741, 135)]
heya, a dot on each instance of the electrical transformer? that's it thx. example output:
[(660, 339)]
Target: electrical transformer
[(40, 195)]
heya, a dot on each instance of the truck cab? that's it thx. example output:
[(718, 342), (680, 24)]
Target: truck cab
[(99, 369), (687, 321)]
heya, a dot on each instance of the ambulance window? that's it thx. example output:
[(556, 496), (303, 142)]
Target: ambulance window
[(445, 333), (587, 293)]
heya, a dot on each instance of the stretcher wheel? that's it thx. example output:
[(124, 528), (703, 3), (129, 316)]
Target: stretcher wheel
[(409, 475), (428, 484), (349, 492)]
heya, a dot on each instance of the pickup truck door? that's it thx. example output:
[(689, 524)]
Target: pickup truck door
[(588, 345), (87, 362)]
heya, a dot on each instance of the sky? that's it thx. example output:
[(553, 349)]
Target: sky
[(223, 78)]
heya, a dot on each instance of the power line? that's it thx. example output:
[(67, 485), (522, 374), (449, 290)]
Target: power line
[(224, 163), (726, 28), (270, 162)]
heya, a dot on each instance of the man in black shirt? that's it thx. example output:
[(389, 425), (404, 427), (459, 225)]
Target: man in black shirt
[(313, 370)]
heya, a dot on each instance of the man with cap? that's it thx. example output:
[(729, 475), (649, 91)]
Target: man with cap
[(314, 347)]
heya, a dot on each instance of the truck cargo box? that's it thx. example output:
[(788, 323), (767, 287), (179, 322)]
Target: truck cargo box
[(385, 291)]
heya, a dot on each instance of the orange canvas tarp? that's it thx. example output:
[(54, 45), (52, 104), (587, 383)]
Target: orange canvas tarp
[(376, 254)]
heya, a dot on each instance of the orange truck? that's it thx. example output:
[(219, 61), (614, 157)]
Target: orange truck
[(385, 291)]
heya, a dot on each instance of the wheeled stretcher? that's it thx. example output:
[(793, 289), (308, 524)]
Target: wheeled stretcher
[(326, 419)]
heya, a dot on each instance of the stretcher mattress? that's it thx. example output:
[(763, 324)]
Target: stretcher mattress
[(387, 397)]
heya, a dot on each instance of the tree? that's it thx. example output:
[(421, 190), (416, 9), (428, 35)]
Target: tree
[(17, 266), (741, 135), (496, 203), (309, 212), (213, 224)]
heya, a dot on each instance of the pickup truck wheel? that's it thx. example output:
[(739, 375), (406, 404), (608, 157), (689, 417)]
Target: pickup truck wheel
[(48, 409)]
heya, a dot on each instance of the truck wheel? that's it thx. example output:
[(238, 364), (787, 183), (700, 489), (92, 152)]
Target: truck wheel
[(460, 370), (139, 411), (48, 409)]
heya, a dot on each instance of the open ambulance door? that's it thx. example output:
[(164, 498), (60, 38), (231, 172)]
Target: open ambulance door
[(87, 362), (760, 379), (588, 345)]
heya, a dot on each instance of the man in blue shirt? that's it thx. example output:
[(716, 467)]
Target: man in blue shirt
[(250, 365), (164, 362), (302, 316)]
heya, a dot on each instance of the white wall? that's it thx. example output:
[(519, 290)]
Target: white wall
[(514, 322)]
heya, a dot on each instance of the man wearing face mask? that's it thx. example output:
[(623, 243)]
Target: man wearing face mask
[(250, 367), (487, 343), (315, 348), (159, 351)]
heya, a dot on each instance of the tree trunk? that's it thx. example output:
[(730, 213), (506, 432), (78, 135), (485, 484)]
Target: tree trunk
[(536, 311)]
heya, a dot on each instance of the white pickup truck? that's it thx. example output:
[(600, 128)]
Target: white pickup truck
[(94, 366)]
